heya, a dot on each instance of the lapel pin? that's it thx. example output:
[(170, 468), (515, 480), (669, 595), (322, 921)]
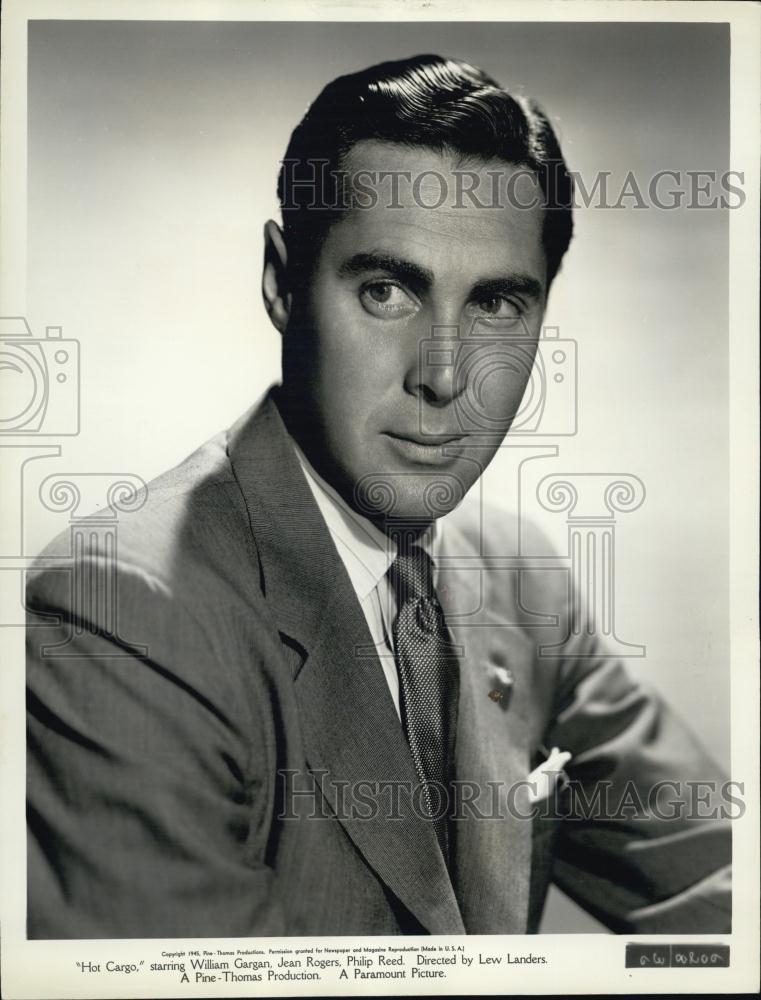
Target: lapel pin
[(502, 687)]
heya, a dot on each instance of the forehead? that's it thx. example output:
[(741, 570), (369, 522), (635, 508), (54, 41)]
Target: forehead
[(441, 209)]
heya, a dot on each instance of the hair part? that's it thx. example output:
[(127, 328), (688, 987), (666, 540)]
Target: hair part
[(429, 102)]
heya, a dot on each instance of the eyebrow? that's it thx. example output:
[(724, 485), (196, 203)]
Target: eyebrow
[(414, 275), (420, 278), (514, 284)]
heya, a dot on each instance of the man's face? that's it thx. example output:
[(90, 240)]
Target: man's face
[(407, 356)]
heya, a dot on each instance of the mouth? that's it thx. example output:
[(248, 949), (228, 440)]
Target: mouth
[(427, 440), (429, 450)]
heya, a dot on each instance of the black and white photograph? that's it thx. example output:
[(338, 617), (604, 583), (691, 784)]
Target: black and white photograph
[(379, 455)]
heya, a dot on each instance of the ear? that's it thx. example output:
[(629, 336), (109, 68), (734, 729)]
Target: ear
[(277, 298)]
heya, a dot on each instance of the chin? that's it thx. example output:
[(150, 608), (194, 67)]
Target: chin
[(408, 496)]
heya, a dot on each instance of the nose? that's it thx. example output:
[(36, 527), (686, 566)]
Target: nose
[(432, 375)]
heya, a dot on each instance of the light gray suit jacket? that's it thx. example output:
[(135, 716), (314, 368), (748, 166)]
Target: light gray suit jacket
[(161, 780)]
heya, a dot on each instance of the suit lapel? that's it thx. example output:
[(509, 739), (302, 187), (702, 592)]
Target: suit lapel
[(349, 725), (492, 855)]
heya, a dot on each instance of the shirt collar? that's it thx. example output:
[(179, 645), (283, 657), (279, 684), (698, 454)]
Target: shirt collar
[(366, 552)]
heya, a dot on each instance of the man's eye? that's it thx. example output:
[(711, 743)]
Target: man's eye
[(383, 298), (497, 307)]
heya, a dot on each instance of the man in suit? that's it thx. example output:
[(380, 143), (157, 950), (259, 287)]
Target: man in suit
[(323, 708)]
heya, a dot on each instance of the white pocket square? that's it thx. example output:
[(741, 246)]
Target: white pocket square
[(543, 779)]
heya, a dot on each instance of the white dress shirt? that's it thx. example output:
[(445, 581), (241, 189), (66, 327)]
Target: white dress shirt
[(367, 553)]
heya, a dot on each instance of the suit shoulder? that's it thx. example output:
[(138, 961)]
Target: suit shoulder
[(184, 539), (190, 515)]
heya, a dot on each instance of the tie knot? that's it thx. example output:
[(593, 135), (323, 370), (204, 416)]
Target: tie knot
[(411, 574)]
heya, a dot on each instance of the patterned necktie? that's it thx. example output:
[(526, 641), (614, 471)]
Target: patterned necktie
[(428, 679)]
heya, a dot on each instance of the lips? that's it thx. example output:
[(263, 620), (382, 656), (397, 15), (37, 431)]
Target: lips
[(426, 440), (425, 451)]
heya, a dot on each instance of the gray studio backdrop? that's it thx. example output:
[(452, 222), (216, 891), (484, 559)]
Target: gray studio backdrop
[(152, 157)]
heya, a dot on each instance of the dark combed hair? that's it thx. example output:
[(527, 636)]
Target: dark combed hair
[(425, 101)]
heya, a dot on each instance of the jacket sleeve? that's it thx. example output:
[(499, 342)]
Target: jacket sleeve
[(147, 774), (640, 836), (645, 840)]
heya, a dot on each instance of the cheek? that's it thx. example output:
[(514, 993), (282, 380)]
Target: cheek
[(358, 365), (344, 345), (493, 381)]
